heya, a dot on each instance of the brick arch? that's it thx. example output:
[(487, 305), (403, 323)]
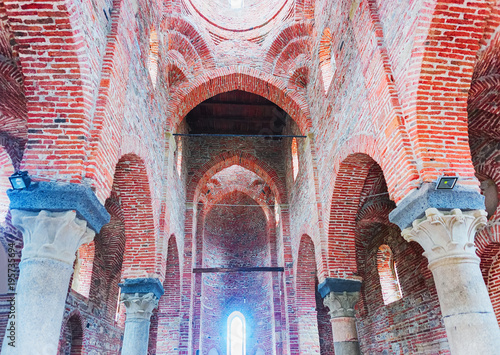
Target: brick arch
[(444, 74), (193, 35), (176, 69), (305, 9), (190, 94), (181, 44), (489, 168), (346, 197), (299, 76), (13, 111), (376, 212), (210, 203), (72, 330), (133, 189), (305, 286), (288, 34), (300, 46), (488, 250), (245, 160), (107, 263), (482, 112), (164, 333)]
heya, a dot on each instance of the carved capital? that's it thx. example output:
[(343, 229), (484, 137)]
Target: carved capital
[(341, 304), (139, 306), (52, 235), (447, 235)]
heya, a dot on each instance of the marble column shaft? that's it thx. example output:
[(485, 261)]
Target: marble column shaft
[(448, 242), (51, 240)]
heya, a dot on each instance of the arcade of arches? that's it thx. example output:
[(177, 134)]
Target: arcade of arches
[(250, 177)]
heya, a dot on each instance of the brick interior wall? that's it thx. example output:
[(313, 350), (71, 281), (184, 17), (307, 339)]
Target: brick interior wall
[(409, 84), (236, 236)]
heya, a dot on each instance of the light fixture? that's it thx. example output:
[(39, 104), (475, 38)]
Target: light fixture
[(20, 180), (446, 182)]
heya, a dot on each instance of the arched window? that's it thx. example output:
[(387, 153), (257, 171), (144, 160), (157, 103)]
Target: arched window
[(388, 274), (179, 157), (153, 57), (295, 159), (236, 334), (326, 59), (490, 192)]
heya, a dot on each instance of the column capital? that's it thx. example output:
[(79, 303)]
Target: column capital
[(139, 305), (52, 235), (142, 286), (60, 197), (341, 304), (447, 235)]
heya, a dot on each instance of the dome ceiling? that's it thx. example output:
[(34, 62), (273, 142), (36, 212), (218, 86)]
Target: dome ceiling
[(254, 19)]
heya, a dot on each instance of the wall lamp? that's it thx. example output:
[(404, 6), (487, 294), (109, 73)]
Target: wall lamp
[(446, 182), (20, 180)]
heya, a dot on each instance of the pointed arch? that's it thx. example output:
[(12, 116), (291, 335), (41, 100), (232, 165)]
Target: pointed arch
[(189, 94), (245, 160), (305, 286), (236, 334)]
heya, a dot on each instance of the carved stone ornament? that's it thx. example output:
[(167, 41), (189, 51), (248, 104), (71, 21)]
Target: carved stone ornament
[(445, 235), (341, 304), (139, 306), (52, 235)]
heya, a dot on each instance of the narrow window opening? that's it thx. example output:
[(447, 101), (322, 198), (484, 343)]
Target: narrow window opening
[(326, 60), (236, 334), (276, 211), (117, 308), (389, 281), (236, 4), (295, 159), (153, 57), (179, 157)]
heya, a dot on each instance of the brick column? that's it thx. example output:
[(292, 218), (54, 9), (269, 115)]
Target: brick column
[(448, 242), (51, 240), (340, 296), (140, 297)]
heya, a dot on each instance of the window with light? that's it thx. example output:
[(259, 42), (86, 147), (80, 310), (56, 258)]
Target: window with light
[(388, 274), (236, 334), (295, 159), (236, 4)]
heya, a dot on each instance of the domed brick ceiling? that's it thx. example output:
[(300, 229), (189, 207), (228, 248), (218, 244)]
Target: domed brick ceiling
[(251, 21)]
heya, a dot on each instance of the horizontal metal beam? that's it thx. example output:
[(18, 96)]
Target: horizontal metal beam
[(236, 135), (204, 270)]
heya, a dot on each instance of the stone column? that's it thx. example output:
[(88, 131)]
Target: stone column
[(448, 242), (51, 240), (140, 297), (55, 219), (340, 296)]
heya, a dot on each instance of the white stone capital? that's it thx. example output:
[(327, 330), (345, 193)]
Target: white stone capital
[(341, 304), (139, 306), (52, 235), (447, 236)]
